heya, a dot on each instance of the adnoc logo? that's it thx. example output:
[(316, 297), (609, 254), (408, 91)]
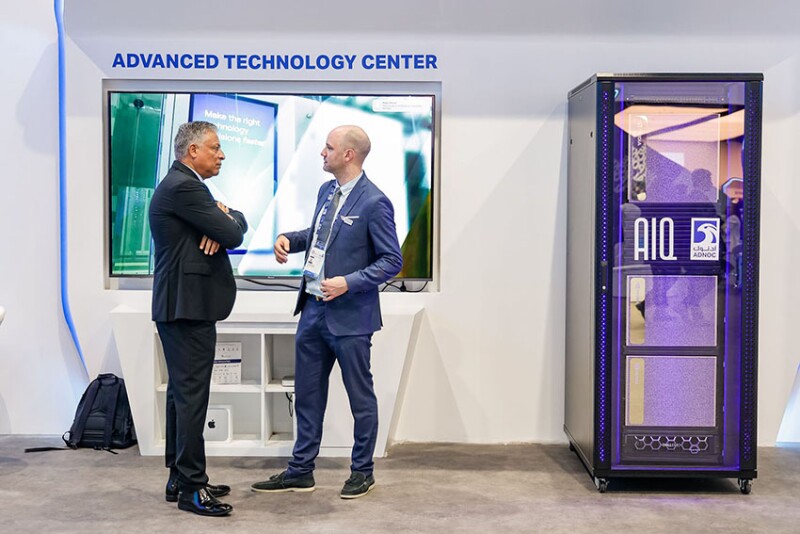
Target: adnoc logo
[(705, 238)]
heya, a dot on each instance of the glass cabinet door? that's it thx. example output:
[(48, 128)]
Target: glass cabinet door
[(676, 279)]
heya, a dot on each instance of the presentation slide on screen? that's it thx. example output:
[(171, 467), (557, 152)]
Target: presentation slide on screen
[(272, 169)]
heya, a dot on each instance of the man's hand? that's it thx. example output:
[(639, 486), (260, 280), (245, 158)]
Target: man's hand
[(208, 246), (225, 210), (333, 287), (282, 249)]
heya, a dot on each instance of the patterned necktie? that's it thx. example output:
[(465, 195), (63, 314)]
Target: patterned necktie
[(327, 222)]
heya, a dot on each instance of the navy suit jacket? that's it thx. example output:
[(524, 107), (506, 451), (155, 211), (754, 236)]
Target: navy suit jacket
[(365, 252), (188, 284)]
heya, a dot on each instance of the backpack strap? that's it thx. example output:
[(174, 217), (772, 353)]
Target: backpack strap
[(76, 432), (42, 449), (111, 412)]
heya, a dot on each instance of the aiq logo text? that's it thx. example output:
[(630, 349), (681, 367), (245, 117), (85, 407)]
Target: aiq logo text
[(654, 239), (705, 238)]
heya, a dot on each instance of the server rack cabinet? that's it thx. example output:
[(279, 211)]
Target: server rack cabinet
[(662, 275)]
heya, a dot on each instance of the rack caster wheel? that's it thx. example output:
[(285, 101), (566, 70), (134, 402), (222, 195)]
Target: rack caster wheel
[(602, 484), (745, 485)]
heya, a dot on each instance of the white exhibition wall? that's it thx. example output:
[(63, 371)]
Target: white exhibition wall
[(41, 377), (488, 365)]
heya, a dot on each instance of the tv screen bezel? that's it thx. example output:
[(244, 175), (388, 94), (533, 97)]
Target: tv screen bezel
[(298, 88)]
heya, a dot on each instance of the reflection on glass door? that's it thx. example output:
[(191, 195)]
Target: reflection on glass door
[(677, 283)]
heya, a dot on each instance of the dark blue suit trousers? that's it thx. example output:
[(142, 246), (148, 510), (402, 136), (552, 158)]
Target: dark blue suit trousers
[(317, 350)]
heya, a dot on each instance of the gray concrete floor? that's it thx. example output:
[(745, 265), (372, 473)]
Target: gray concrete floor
[(420, 488)]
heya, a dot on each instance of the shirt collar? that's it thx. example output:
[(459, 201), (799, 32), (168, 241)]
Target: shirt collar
[(193, 171), (198, 176), (346, 188)]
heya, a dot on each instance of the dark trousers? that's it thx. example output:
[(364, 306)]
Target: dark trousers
[(189, 353), (316, 350)]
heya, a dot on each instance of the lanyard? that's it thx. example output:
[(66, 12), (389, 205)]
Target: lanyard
[(322, 215)]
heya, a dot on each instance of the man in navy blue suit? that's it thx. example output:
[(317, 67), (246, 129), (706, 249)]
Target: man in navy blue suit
[(351, 248)]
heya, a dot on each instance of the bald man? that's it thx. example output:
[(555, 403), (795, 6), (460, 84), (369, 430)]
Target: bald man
[(351, 248)]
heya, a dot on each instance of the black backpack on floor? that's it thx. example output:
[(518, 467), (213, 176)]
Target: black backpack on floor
[(103, 419)]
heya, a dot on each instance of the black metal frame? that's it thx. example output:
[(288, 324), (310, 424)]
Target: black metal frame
[(599, 466)]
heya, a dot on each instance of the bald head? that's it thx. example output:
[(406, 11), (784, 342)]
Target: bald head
[(356, 138), (344, 153)]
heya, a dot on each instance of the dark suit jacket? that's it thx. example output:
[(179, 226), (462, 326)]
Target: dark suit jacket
[(365, 252), (187, 284)]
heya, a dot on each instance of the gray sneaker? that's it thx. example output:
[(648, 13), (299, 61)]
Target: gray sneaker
[(357, 485), (282, 483)]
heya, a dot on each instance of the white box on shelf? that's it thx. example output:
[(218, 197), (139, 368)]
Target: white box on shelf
[(227, 363), (218, 424)]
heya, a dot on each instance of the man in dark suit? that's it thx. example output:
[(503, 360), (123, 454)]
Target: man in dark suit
[(351, 248), (193, 287)]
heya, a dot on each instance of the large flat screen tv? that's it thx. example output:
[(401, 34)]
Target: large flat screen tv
[(273, 168)]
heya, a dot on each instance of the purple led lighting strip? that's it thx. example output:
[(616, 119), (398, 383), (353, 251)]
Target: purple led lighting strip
[(726, 307), (603, 435), (621, 180)]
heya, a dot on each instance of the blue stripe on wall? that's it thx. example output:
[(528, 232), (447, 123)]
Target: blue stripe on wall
[(62, 180)]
